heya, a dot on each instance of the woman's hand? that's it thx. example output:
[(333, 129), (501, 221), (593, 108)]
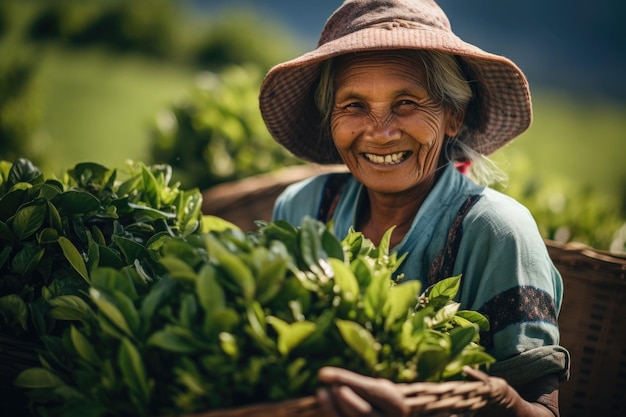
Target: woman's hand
[(505, 401), (350, 394)]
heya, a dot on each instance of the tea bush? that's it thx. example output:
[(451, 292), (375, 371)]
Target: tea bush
[(217, 134)]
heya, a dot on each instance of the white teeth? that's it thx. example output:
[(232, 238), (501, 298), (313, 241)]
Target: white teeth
[(388, 159)]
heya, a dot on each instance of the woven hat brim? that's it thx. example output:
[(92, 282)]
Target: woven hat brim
[(501, 112)]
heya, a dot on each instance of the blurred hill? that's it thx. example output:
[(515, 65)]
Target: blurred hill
[(572, 45)]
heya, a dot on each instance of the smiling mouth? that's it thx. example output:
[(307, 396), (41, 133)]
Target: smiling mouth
[(389, 159)]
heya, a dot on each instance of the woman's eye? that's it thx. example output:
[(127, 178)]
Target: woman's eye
[(355, 105)]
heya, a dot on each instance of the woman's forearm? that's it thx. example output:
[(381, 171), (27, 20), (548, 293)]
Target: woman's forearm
[(540, 398)]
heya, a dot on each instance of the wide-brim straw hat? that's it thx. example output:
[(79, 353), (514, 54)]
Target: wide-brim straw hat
[(499, 111)]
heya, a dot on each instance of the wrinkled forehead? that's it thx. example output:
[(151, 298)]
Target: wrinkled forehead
[(401, 63)]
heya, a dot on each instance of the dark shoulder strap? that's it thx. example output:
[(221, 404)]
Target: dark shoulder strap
[(332, 191), (443, 265)]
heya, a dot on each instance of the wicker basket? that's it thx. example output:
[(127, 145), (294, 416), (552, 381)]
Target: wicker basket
[(425, 399), (245, 201), (592, 329)]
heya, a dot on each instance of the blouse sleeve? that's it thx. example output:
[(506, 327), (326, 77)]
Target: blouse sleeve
[(507, 275), (299, 200)]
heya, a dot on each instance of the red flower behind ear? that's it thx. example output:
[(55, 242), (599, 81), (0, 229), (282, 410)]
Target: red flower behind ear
[(463, 166)]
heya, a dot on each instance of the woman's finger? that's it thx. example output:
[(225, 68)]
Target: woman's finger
[(342, 401), (382, 395)]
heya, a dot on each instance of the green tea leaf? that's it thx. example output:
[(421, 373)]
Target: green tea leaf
[(13, 307), (69, 307), (83, 347), (221, 320), (127, 308), (10, 202), (385, 243), (476, 318), (444, 315), (170, 341), (23, 170), (108, 257), (432, 361), (360, 340), (210, 292), (89, 173), (49, 190), (33, 378), (54, 218), (232, 264), (256, 327), (375, 297), (228, 343), (73, 257), (179, 269), (332, 246), (48, 235), (26, 260), (76, 202), (160, 292), (446, 288), (471, 357), (110, 310), (147, 213), (134, 372), (401, 302), (28, 220), (5, 253), (189, 212), (110, 280), (130, 249), (216, 224), (5, 233), (270, 279), (151, 192), (461, 337), (345, 281), (290, 335)]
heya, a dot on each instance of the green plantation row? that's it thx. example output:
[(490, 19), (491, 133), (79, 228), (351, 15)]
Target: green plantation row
[(94, 104)]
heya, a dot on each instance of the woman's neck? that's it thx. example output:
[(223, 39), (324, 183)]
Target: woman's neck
[(378, 212)]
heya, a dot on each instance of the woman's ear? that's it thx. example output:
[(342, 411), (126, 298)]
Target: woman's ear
[(454, 122)]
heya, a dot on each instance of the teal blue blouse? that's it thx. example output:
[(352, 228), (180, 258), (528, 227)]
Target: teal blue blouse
[(506, 271)]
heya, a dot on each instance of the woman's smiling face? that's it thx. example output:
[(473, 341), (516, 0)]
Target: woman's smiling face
[(387, 128)]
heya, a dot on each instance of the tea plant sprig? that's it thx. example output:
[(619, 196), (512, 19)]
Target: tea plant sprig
[(238, 318), (55, 231)]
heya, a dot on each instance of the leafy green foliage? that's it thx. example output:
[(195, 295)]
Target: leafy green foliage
[(568, 211), (54, 232), (234, 318), (241, 37), (145, 26), (217, 134)]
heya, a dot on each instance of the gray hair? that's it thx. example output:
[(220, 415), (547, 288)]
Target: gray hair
[(446, 83)]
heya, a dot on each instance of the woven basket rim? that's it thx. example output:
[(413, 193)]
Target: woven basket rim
[(424, 399)]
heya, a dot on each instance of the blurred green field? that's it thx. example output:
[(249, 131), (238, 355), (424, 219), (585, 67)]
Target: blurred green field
[(573, 139), (98, 107)]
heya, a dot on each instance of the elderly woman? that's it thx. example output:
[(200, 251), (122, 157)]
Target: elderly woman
[(396, 96)]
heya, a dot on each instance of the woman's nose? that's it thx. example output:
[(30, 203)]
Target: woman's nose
[(382, 127)]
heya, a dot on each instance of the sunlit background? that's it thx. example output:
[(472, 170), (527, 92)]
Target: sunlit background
[(176, 82)]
